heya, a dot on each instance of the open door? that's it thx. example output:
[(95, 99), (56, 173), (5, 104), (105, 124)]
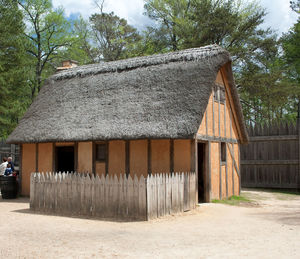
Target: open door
[(201, 172), (64, 159)]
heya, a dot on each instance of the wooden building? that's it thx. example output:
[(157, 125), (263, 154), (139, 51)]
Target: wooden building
[(174, 112)]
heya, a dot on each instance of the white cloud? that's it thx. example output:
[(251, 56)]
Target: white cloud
[(280, 18), (131, 10)]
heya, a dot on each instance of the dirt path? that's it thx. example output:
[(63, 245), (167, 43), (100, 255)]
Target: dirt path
[(268, 229)]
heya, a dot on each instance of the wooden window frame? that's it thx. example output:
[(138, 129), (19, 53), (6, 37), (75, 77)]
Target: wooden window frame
[(223, 155), (104, 159), (219, 93)]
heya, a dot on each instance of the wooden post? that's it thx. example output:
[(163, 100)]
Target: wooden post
[(53, 158), (76, 157), (127, 158), (171, 155), (298, 132), (206, 120), (232, 170), (226, 146), (213, 111), (239, 165), (208, 163), (36, 157), (93, 158), (20, 168), (149, 155), (220, 172), (106, 158), (196, 169)]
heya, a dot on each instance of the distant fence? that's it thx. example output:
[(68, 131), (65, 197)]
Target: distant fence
[(271, 159), (112, 197)]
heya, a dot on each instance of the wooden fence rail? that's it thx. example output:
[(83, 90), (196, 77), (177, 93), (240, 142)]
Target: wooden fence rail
[(112, 197), (272, 158)]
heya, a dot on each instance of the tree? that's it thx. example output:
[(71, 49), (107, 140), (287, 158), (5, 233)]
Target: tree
[(266, 92), (295, 6), (48, 32), (113, 37), (195, 23), (172, 18), (291, 46), (12, 77), (81, 49)]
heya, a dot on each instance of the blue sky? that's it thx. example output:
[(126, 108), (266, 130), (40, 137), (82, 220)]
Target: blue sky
[(280, 18)]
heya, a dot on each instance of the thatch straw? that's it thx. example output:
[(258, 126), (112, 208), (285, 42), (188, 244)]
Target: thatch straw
[(160, 96)]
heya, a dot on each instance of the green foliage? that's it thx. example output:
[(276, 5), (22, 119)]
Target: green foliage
[(291, 47), (48, 33), (12, 80), (113, 37), (266, 91), (234, 201), (81, 49), (266, 69)]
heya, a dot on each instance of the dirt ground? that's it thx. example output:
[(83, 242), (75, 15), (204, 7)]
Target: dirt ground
[(266, 228)]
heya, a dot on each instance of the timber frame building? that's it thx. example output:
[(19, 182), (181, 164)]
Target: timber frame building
[(174, 112)]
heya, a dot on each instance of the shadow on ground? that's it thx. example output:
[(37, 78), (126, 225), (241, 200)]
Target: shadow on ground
[(17, 200), (32, 212), (288, 218)]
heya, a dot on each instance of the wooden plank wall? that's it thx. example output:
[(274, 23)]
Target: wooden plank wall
[(112, 197), (271, 159)]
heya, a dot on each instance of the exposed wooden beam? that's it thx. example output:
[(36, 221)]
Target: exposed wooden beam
[(36, 157), (94, 157), (232, 156), (213, 111), (171, 155), (149, 154), (76, 156), (53, 157), (209, 168), (127, 157), (220, 172), (107, 158), (232, 169)]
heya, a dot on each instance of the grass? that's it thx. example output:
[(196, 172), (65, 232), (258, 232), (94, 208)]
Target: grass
[(234, 200)]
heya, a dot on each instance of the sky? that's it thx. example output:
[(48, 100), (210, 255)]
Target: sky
[(279, 15)]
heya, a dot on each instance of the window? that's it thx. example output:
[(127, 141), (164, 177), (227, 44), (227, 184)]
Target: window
[(219, 93), (101, 152), (223, 152)]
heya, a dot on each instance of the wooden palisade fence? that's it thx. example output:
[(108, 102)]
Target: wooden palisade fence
[(112, 197), (271, 159)]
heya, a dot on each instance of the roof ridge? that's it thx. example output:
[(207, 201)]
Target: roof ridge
[(192, 54)]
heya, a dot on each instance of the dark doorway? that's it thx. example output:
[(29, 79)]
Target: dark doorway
[(201, 172), (64, 159)]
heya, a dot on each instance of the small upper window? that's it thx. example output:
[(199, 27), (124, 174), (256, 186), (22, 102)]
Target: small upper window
[(223, 152), (219, 93), (101, 152)]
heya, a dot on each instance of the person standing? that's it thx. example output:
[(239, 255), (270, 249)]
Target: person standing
[(12, 166), (3, 165)]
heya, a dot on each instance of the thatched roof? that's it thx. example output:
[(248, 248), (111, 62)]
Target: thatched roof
[(160, 96)]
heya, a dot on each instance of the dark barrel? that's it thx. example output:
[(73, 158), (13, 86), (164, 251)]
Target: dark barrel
[(9, 187)]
